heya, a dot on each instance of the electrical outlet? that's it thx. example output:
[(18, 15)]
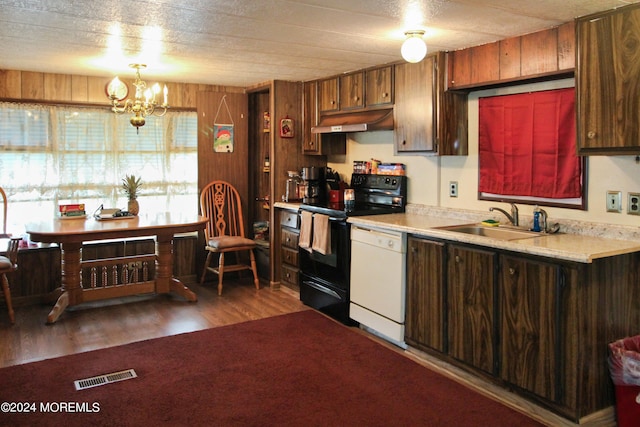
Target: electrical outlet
[(633, 203), (614, 201), (453, 188)]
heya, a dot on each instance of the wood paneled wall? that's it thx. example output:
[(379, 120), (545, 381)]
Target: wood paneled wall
[(232, 167), (77, 89)]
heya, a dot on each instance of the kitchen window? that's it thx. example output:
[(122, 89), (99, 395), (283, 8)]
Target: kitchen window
[(51, 155), (527, 149)]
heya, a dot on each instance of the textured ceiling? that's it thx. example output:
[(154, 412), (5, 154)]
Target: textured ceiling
[(246, 42)]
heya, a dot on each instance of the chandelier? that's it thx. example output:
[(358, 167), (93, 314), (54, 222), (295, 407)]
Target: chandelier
[(145, 103)]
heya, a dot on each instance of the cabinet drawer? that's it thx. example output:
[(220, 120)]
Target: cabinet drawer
[(289, 256), (289, 238), (289, 219), (289, 275)]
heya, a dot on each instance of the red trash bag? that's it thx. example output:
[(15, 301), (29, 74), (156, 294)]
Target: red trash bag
[(624, 365)]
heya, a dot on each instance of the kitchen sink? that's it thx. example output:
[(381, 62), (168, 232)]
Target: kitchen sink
[(500, 233)]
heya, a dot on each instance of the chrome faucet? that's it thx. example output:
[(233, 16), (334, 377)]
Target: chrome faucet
[(543, 220), (513, 218)]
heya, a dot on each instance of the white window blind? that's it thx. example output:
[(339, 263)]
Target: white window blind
[(50, 155)]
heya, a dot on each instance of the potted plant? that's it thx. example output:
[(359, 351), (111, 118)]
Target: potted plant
[(131, 185)]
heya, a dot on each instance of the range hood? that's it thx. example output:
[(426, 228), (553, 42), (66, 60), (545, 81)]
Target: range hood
[(360, 121)]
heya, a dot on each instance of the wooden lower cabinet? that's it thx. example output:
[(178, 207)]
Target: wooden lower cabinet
[(289, 235), (425, 294), (531, 310), (470, 302), (535, 325)]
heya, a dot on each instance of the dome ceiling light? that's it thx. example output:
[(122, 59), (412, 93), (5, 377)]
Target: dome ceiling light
[(414, 49)]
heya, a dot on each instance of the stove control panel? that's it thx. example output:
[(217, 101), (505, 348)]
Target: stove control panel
[(380, 182)]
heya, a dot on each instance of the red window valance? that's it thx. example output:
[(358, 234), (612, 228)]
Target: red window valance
[(527, 145)]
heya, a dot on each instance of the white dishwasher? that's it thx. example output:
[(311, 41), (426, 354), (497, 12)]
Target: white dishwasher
[(378, 281)]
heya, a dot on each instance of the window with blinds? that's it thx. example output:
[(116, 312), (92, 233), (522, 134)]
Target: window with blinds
[(51, 155)]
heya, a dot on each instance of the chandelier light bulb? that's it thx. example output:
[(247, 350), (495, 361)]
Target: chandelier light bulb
[(414, 49), (144, 104)]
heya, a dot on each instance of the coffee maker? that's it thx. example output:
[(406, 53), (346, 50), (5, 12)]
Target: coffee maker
[(314, 185)]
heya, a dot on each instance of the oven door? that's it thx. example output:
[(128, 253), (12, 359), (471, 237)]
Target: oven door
[(325, 298), (333, 268)]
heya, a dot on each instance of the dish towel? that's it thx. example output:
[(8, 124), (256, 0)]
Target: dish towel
[(321, 234), (306, 225)]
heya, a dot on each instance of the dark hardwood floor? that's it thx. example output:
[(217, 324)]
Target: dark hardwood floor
[(120, 321)]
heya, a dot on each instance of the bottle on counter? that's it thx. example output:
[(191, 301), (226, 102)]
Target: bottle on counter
[(536, 219)]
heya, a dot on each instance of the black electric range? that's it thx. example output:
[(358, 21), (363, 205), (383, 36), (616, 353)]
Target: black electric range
[(324, 279), (374, 195)]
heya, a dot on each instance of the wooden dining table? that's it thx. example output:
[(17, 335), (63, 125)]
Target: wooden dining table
[(70, 234)]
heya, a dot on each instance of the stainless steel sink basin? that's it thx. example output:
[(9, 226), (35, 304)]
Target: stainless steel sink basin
[(500, 233)]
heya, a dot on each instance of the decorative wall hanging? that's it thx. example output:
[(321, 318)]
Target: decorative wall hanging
[(286, 128), (223, 132), (266, 121)]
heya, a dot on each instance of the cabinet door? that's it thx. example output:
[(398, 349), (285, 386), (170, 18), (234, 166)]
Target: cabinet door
[(328, 95), (352, 91), (424, 324), (471, 314), (379, 87), (608, 82), (310, 141), (531, 344), (414, 112)]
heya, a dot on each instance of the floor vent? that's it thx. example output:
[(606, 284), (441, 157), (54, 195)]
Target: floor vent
[(104, 379)]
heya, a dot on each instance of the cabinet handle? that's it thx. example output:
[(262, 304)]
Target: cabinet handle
[(384, 95), (591, 134), (404, 142), (458, 258), (512, 271)]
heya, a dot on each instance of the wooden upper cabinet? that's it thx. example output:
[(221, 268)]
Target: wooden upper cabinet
[(428, 120), (486, 63), (328, 95), (608, 82), (544, 53), (414, 112), (310, 141), (315, 144), (352, 91), (379, 87)]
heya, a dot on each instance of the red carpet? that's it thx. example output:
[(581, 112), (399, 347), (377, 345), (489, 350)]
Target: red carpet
[(295, 369)]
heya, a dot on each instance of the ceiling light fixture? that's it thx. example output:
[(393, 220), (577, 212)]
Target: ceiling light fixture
[(414, 48), (145, 102)]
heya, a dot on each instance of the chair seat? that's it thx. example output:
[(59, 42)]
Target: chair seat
[(5, 264), (225, 242)]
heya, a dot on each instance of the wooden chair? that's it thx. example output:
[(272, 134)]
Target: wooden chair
[(8, 263), (4, 213), (224, 233)]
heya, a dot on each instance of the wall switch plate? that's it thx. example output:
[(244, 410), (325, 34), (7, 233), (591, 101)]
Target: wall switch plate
[(614, 201), (453, 188), (633, 203)]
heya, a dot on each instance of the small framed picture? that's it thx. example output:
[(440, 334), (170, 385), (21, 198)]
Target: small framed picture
[(286, 128)]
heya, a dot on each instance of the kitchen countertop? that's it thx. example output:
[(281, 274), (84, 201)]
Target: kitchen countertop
[(292, 206), (570, 247)]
